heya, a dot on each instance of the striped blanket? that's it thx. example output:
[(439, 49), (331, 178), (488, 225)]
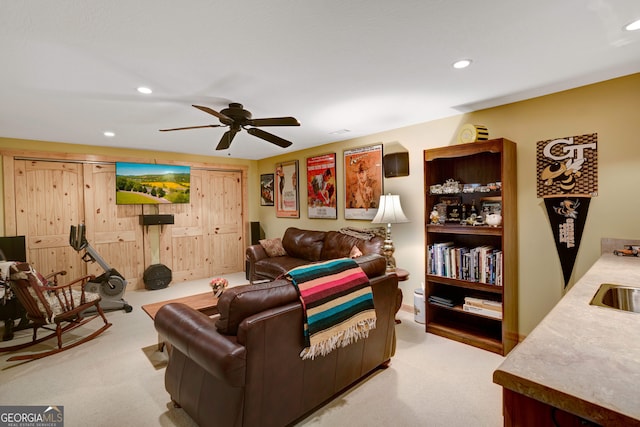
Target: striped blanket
[(338, 304)]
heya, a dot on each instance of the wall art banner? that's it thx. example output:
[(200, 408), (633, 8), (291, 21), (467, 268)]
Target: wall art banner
[(363, 182), (321, 186), (287, 205), (567, 166), (567, 215)]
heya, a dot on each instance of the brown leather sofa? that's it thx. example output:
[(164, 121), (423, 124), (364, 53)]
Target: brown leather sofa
[(305, 247), (243, 367)]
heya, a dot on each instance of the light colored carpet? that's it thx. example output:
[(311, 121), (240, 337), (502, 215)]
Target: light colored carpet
[(118, 378)]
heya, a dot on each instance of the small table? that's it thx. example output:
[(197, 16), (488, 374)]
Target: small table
[(205, 303), (402, 276)]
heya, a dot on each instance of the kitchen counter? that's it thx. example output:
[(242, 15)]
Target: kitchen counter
[(581, 358)]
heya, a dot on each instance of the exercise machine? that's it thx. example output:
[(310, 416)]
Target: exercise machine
[(110, 285)]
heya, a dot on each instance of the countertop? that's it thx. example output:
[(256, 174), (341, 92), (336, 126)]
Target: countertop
[(582, 358)]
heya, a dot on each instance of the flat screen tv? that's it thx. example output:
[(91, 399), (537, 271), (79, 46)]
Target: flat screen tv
[(13, 248), (151, 183)]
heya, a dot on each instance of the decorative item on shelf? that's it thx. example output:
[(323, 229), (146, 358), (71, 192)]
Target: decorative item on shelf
[(493, 219), (472, 133), (218, 285), (389, 212), (451, 187), (434, 216), (454, 213)]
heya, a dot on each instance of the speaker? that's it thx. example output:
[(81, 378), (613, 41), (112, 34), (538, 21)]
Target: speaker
[(157, 276), (256, 233), (396, 164), (156, 219)]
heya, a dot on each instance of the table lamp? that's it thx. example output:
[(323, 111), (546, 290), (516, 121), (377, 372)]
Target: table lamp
[(389, 212)]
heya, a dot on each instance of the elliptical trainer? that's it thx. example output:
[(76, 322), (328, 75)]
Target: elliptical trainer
[(110, 285)]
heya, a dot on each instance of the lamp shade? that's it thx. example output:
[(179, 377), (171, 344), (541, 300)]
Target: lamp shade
[(389, 210)]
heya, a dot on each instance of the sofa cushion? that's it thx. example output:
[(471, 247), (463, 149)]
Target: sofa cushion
[(355, 252), (273, 247), (240, 302), (339, 245), (305, 244), (276, 267)]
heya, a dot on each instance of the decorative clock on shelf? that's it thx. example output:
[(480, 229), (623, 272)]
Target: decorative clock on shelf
[(472, 133)]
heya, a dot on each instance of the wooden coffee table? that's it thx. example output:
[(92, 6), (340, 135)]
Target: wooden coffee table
[(205, 303)]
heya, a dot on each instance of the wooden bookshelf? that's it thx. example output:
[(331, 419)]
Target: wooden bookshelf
[(492, 161)]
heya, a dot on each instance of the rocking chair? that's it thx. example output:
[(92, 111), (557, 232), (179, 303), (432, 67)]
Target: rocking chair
[(51, 303)]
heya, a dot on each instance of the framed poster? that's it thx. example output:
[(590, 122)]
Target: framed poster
[(363, 181), (321, 186), (286, 189), (266, 189)]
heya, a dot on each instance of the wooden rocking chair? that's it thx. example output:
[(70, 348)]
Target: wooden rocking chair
[(51, 303)]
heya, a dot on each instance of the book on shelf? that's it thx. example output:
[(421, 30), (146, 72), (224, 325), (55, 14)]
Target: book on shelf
[(483, 311), (482, 264), (447, 302), (484, 303)]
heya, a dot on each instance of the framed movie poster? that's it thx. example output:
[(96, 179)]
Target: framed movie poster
[(363, 181), (266, 189), (321, 186), (286, 189)]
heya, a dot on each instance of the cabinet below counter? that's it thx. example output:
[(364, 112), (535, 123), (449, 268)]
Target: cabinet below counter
[(581, 361)]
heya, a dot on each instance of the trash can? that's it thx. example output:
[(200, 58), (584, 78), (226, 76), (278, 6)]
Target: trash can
[(418, 306)]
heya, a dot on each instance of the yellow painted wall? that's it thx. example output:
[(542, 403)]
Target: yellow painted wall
[(609, 109)]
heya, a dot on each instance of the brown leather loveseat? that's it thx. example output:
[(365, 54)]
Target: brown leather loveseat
[(243, 367), (308, 246)]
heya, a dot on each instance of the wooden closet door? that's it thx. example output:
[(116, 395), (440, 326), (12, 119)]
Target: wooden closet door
[(48, 200), (183, 244), (113, 231), (225, 220), (207, 238)]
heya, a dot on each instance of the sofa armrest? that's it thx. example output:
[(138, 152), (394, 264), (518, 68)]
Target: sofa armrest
[(255, 253), (373, 265), (194, 334)]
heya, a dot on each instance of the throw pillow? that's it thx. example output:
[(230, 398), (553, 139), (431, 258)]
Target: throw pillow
[(355, 252), (273, 247)]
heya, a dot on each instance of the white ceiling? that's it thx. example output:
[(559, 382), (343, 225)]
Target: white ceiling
[(70, 68)]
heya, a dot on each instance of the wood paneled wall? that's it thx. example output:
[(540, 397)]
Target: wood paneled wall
[(47, 193)]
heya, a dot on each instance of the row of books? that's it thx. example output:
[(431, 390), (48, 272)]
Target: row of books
[(485, 307), (481, 264)]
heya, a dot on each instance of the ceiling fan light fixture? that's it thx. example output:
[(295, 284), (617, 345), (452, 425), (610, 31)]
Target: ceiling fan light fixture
[(633, 26), (145, 90), (463, 63)]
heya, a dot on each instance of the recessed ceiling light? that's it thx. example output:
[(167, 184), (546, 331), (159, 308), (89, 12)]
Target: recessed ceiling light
[(635, 25), (109, 134), (144, 90), (339, 132), (463, 63)]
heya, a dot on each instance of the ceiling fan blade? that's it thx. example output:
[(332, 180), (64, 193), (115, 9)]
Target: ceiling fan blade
[(192, 127), (269, 137), (226, 139), (224, 119), (275, 121)]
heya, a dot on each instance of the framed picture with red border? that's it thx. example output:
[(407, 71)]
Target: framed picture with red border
[(321, 186)]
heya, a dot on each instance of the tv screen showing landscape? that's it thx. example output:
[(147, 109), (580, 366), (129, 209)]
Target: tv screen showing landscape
[(151, 184)]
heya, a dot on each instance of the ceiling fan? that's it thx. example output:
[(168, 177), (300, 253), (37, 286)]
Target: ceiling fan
[(236, 117)]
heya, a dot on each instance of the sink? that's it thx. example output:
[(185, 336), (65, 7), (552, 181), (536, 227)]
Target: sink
[(620, 297)]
